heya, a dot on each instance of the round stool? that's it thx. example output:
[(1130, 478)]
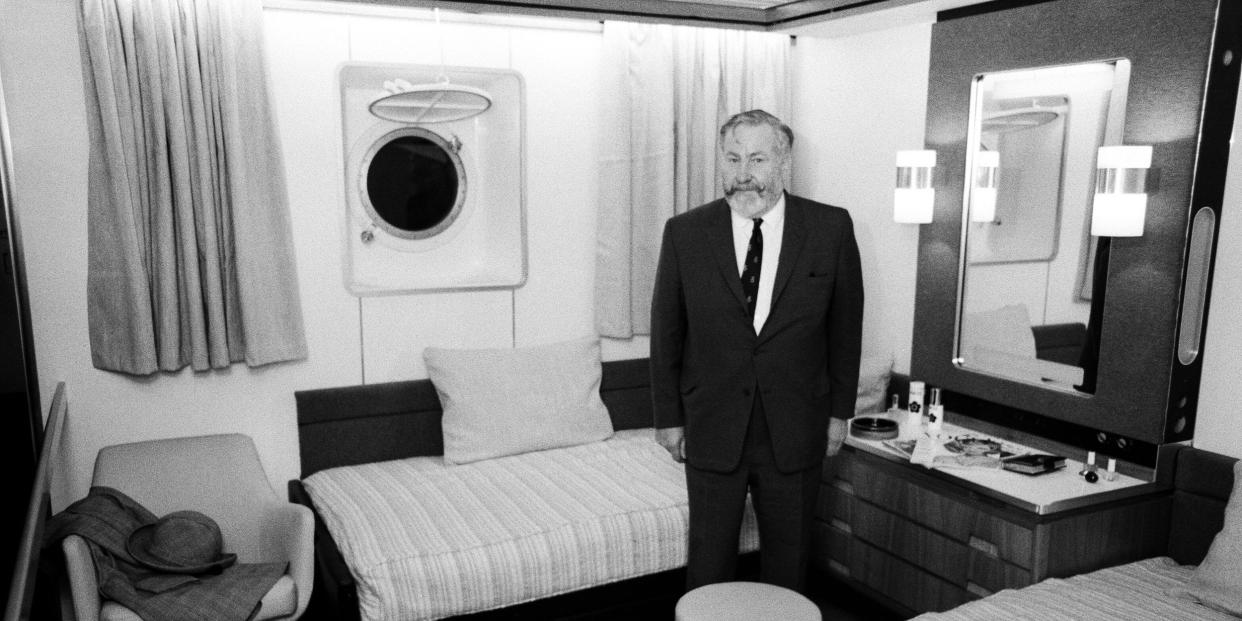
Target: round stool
[(745, 601)]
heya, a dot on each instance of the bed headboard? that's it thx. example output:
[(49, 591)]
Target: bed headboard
[(392, 420), (1202, 482)]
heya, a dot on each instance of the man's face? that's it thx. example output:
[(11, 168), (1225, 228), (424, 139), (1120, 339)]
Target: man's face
[(752, 169)]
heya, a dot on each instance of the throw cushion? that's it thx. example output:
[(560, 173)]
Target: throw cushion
[(873, 377), (507, 401), (1006, 329), (1217, 581)]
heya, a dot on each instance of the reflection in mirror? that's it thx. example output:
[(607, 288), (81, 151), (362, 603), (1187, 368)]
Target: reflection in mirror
[(1032, 274)]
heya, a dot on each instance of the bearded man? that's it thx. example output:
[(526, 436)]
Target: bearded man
[(756, 329)]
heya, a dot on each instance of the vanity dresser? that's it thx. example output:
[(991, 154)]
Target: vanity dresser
[(1029, 103), (921, 539)]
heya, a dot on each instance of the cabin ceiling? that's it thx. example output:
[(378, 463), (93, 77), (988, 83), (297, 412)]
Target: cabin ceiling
[(748, 14)]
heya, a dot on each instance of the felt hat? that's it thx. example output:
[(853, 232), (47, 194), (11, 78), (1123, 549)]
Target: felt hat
[(182, 542)]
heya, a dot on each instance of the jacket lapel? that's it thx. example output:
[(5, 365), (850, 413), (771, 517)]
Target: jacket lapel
[(721, 230), (791, 247)]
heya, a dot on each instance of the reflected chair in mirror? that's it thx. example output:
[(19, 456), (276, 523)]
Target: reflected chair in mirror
[(220, 476)]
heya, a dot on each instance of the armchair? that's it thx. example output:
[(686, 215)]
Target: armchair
[(222, 477)]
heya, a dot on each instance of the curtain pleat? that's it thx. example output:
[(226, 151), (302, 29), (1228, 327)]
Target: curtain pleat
[(190, 245), (667, 90)]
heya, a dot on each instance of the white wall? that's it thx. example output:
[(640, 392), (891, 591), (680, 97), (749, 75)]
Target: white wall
[(1219, 419), (857, 101)]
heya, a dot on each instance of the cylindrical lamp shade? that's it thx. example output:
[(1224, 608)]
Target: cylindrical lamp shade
[(1120, 206), (1118, 215), (983, 193), (914, 198)]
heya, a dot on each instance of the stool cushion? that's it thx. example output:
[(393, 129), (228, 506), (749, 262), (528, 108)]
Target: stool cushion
[(745, 601)]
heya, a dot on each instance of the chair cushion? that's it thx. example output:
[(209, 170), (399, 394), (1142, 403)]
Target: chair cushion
[(280, 601), (500, 402), (113, 611)]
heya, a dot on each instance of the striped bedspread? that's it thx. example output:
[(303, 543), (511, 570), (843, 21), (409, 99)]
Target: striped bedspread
[(427, 541), (1139, 591)]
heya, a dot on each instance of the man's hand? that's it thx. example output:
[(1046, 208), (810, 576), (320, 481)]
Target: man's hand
[(837, 428), (673, 439)]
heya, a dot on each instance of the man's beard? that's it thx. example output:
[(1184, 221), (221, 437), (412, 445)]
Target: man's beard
[(747, 199)]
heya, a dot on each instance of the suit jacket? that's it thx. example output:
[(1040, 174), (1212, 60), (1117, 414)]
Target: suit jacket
[(707, 361)]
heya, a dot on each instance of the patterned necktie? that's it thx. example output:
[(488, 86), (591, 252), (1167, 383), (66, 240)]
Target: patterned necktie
[(750, 271)]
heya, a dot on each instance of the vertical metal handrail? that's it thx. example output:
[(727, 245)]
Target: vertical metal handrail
[(21, 589)]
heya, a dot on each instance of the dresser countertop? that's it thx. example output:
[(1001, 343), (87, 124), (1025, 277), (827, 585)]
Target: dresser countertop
[(1047, 493)]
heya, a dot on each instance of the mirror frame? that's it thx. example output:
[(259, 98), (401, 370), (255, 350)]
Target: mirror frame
[(1145, 396)]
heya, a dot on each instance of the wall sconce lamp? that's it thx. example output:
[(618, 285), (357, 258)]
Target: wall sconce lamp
[(1120, 205), (914, 198), (983, 194)]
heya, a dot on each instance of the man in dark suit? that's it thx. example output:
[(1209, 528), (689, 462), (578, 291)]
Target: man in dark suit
[(756, 328)]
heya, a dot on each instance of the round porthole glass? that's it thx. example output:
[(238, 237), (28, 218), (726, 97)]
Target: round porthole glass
[(413, 183)]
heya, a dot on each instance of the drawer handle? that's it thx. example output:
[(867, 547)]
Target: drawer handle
[(844, 486), (839, 568), (841, 525), (975, 589), (984, 546)]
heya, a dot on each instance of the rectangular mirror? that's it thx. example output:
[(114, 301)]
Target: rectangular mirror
[(1025, 290)]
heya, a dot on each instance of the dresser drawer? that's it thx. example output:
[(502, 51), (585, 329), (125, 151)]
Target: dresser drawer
[(831, 548), (835, 502), (903, 582), (987, 574), (949, 516)]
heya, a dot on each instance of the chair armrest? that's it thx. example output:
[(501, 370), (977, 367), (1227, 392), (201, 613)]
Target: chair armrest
[(83, 583), (293, 531), (336, 593)]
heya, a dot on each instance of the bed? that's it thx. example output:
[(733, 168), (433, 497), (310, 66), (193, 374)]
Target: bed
[(1151, 589), (402, 535)]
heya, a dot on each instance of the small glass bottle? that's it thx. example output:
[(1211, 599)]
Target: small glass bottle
[(894, 404), (935, 413)]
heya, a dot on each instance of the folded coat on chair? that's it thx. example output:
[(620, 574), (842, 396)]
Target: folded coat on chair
[(106, 518)]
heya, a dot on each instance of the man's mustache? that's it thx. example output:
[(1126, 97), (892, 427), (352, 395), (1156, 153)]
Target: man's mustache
[(743, 187)]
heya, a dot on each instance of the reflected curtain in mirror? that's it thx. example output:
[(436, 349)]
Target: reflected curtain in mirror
[(190, 245), (666, 91)]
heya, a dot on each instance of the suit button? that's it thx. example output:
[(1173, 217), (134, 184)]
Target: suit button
[(745, 392)]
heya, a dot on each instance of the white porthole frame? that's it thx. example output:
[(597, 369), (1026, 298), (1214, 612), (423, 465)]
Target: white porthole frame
[(399, 238)]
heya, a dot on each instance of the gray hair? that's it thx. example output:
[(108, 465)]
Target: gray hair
[(784, 135)]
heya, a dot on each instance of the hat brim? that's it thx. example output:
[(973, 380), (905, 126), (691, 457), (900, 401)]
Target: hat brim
[(140, 540)]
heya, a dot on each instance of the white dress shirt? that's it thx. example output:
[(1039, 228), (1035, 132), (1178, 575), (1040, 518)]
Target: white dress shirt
[(773, 229)]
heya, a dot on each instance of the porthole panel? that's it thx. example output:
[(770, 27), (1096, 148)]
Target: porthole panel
[(413, 183)]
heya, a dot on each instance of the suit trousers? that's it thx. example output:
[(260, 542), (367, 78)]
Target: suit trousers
[(784, 508)]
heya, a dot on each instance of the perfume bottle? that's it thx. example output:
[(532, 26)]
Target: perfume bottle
[(935, 413), (914, 410)]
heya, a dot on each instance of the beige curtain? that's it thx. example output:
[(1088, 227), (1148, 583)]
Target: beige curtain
[(190, 251), (667, 89)]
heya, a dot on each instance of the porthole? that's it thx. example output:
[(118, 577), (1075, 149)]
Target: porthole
[(413, 183)]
